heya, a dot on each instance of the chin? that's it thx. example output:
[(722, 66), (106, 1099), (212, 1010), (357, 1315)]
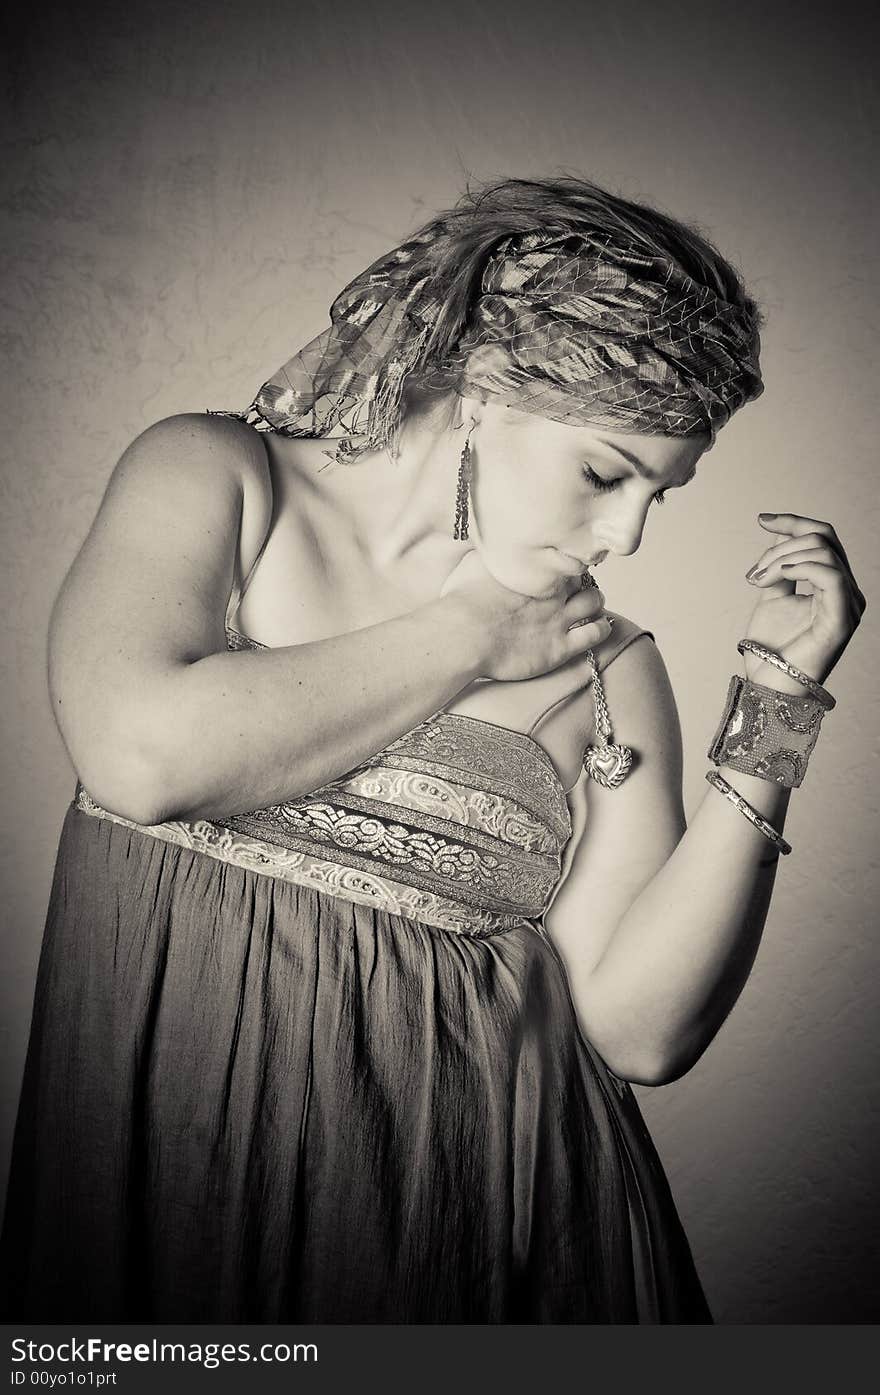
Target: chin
[(528, 579)]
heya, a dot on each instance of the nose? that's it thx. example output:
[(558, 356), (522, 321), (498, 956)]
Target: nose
[(630, 544), (620, 530)]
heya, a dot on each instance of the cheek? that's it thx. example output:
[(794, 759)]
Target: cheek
[(527, 494), (530, 483), (502, 484)]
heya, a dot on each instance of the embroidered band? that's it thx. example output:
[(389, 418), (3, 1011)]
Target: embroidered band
[(767, 733)]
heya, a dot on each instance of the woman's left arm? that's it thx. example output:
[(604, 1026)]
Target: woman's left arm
[(658, 923)]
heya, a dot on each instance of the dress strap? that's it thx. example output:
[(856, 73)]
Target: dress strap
[(557, 702), (236, 595)]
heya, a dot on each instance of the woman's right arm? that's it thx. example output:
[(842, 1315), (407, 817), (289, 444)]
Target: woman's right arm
[(161, 721)]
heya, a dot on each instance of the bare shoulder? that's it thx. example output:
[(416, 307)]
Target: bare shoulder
[(148, 590), (624, 633), (209, 467), (638, 688), (189, 437), (150, 582)]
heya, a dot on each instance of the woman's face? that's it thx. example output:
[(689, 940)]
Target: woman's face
[(548, 498)]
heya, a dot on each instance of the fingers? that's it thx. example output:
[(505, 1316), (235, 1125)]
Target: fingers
[(583, 613), (819, 566), (827, 582), (811, 542), (785, 559), (795, 525), (587, 634), (799, 563), (830, 584), (808, 539), (588, 602)]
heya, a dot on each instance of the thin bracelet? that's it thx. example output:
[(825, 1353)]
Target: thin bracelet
[(770, 656), (745, 807)]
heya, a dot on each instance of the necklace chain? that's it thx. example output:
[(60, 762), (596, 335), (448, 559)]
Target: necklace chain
[(603, 718)]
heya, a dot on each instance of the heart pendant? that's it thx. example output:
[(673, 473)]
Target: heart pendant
[(608, 765)]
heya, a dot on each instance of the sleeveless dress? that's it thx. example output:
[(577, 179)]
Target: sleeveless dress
[(320, 1063)]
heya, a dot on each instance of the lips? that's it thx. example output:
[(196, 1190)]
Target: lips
[(582, 565)]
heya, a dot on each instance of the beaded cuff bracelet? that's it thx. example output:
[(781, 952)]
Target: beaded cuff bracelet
[(767, 733)]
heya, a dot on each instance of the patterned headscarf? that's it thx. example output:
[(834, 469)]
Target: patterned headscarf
[(595, 328)]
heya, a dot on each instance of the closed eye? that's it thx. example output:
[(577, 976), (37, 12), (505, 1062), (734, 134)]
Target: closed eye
[(598, 483)]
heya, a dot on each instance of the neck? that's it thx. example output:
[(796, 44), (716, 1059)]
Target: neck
[(408, 499)]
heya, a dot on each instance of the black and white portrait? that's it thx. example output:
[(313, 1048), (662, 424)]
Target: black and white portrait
[(439, 539)]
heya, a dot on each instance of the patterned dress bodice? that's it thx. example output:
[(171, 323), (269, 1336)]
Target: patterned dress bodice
[(460, 823)]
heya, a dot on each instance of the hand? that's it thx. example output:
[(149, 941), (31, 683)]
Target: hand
[(812, 630), (521, 636)]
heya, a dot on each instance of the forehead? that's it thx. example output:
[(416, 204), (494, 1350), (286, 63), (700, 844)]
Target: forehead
[(672, 457)]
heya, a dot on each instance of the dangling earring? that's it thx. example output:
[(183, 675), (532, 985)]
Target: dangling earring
[(460, 529)]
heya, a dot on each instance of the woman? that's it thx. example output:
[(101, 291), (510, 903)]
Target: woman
[(346, 971)]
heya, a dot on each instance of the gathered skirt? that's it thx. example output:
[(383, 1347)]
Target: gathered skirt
[(247, 1100)]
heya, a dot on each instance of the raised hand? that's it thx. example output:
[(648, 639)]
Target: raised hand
[(521, 635), (810, 630)]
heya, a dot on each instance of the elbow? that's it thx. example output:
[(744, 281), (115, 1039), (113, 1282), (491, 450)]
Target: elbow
[(652, 1064), (643, 1057), (131, 800), (114, 756), (633, 1047), (125, 782), (660, 1071), (147, 787)]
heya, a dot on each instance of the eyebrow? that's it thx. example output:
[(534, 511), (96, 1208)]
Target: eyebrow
[(637, 464)]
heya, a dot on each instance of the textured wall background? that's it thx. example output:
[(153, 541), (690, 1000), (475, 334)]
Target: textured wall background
[(185, 190)]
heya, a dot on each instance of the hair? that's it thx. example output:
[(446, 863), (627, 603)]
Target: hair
[(458, 243)]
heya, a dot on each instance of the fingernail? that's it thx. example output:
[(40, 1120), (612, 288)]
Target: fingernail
[(768, 515), (757, 575)]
